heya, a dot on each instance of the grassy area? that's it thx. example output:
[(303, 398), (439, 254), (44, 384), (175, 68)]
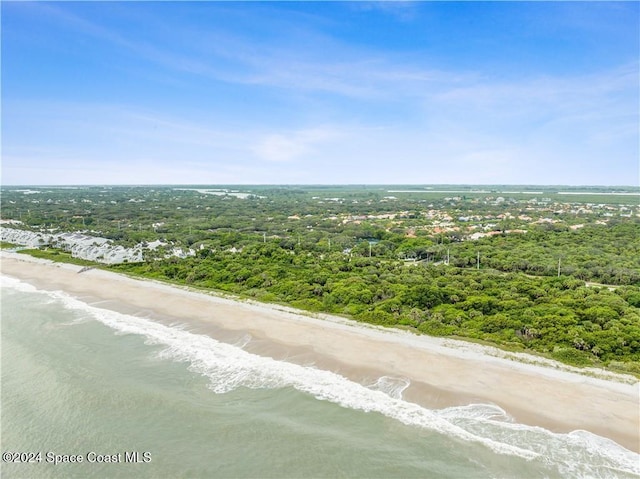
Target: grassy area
[(59, 256), (5, 245)]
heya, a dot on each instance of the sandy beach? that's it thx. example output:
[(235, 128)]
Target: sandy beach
[(442, 372)]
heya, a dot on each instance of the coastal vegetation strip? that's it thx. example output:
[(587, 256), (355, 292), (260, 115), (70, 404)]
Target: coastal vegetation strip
[(54, 254)]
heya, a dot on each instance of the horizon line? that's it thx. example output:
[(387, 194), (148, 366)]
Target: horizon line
[(546, 185)]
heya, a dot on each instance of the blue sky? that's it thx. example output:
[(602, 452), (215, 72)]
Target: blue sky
[(325, 92)]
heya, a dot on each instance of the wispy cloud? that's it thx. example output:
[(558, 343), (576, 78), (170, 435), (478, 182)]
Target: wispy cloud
[(400, 10), (328, 66), (284, 147)]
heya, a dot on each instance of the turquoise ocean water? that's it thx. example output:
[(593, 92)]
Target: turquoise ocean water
[(161, 401)]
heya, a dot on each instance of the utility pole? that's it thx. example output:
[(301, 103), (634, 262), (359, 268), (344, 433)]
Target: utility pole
[(369, 249), (448, 257), (478, 264), (558, 267), (329, 244), (264, 237)]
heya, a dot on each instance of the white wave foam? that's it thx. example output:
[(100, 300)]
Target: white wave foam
[(243, 341), (7, 282), (76, 321), (476, 412), (391, 386), (577, 454)]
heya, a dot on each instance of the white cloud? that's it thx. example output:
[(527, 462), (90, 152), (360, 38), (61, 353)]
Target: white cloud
[(286, 147), (280, 148)]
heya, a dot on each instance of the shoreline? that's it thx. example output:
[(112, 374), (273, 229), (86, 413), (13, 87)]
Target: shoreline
[(442, 372)]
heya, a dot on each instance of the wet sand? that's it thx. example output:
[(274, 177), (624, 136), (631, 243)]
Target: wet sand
[(442, 372)]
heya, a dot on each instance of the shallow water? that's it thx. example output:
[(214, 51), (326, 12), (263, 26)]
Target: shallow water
[(79, 379)]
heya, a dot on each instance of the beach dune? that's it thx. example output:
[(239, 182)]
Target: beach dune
[(442, 372)]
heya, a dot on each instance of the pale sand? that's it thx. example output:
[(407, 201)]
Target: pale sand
[(442, 372)]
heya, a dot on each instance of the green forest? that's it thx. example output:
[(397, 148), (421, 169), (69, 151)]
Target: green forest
[(524, 271)]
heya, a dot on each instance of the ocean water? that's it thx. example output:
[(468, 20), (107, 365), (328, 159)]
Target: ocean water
[(85, 383)]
